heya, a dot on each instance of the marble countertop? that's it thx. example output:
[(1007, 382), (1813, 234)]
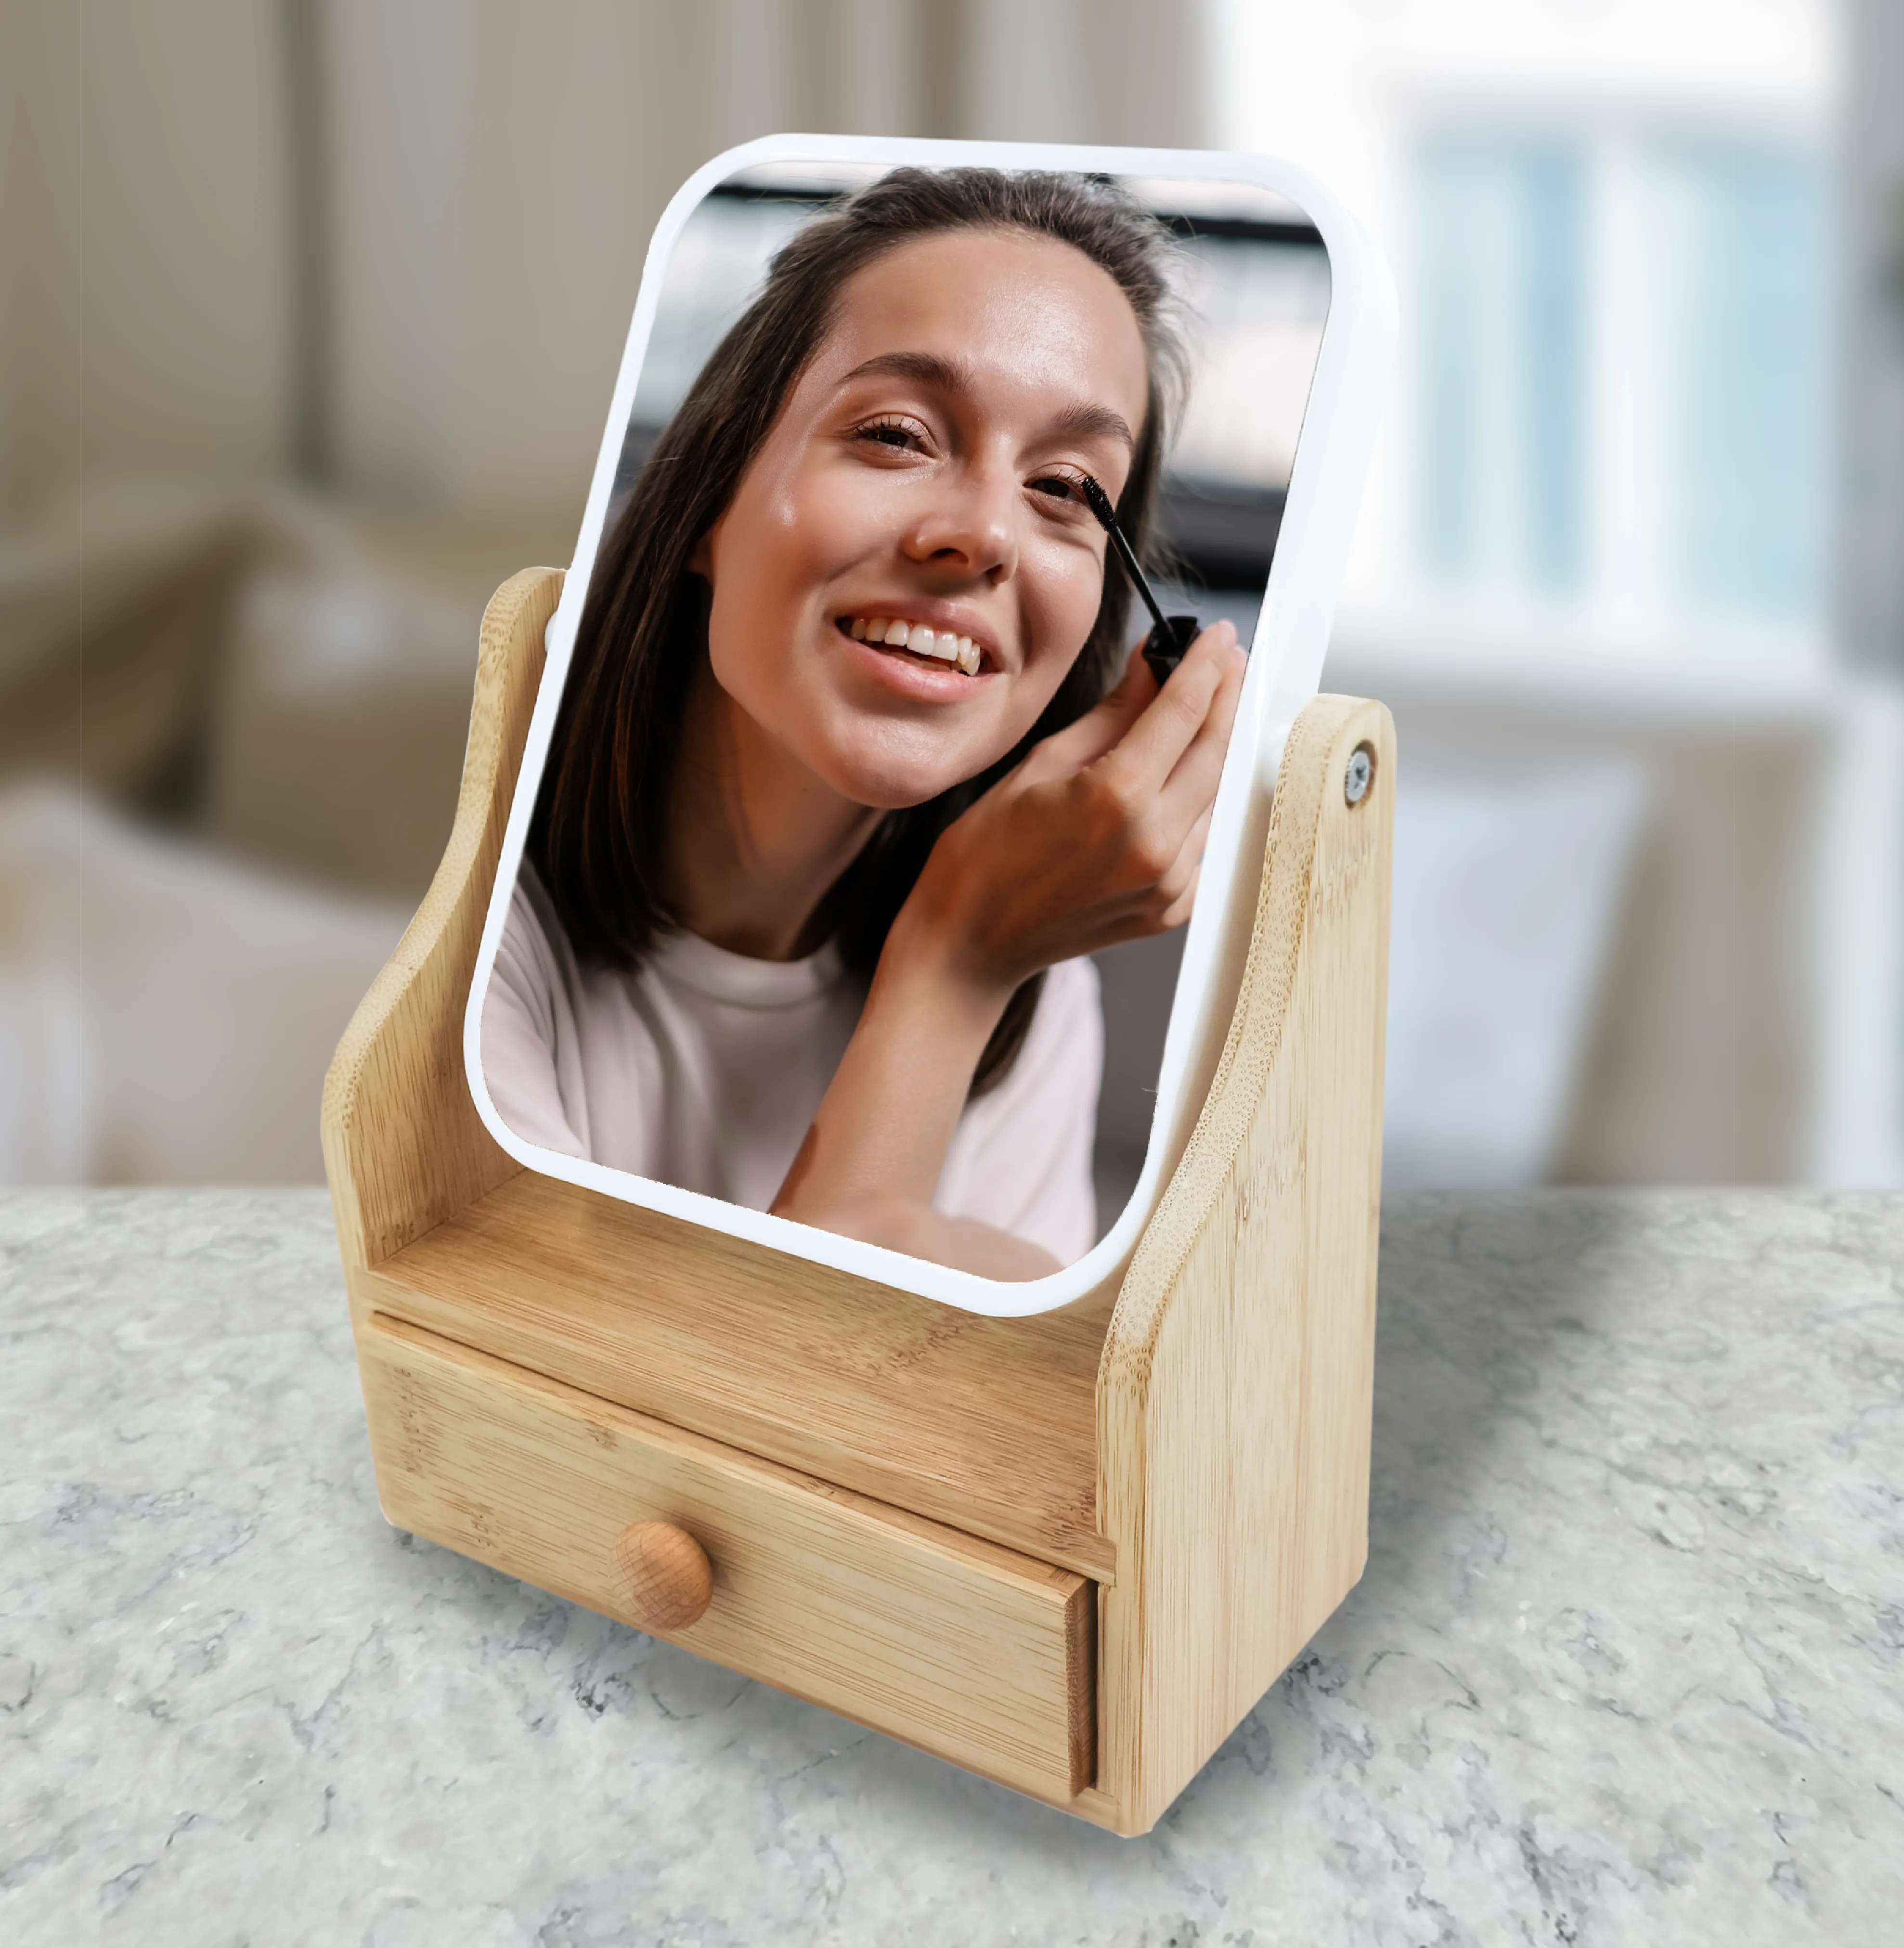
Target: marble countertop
[(1626, 1666)]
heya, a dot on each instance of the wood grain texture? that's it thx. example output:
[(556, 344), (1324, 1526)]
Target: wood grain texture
[(986, 1423), (403, 1145), (982, 1656), (1234, 1393), (663, 1576)]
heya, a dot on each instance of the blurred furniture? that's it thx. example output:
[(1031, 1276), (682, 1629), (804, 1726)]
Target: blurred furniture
[(230, 729), (112, 605), (1069, 1551), (166, 1015), (1742, 1023)]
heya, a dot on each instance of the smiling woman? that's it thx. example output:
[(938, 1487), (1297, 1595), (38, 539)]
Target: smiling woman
[(852, 768)]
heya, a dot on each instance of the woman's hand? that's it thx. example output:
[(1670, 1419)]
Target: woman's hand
[(1096, 837)]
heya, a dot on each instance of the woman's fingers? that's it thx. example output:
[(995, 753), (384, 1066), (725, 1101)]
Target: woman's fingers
[(1098, 836), (1101, 729), (1193, 781), (1180, 882), (1162, 901), (1178, 911), (1150, 726), (1150, 752), (1197, 708)]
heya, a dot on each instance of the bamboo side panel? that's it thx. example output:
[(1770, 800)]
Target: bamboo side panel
[(973, 1653), (403, 1145), (1235, 1389)]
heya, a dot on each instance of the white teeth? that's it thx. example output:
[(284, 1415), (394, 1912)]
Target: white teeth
[(942, 645)]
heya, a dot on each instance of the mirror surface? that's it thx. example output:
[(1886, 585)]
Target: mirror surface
[(854, 886)]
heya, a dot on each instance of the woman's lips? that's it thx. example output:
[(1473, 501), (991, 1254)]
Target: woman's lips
[(917, 639), (930, 679)]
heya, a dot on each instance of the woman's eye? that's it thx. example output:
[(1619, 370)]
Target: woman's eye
[(888, 433), (1057, 486)]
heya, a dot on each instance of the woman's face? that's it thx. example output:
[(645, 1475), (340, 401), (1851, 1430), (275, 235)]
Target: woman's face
[(920, 473)]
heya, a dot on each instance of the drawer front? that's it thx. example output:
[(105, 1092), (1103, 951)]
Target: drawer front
[(983, 1656)]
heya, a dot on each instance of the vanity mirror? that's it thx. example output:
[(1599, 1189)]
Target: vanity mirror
[(845, 772), (1060, 1519)]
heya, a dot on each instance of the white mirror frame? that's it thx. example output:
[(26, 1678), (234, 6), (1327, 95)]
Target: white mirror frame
[(1332, 453)]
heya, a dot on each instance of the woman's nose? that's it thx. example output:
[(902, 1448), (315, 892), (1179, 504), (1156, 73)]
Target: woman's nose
[(969, 525)]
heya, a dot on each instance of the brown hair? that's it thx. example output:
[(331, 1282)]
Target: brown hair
[(599, 836)]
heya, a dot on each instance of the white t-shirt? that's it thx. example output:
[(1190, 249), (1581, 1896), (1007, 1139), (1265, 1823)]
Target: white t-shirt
[(704, 1069)]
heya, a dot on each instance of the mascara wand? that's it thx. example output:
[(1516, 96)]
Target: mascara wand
[(1165, 646)]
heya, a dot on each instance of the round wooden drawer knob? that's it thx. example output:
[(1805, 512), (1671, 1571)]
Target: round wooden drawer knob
[(666, 1581)]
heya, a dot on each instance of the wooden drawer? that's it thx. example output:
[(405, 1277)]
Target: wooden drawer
[(969, 1650)]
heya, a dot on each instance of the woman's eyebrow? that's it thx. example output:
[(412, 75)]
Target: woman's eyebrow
[(1086, 422), (1078, 421), (948, 375)]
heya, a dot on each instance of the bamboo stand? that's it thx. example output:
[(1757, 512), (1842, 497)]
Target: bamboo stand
[(1068, 1552)]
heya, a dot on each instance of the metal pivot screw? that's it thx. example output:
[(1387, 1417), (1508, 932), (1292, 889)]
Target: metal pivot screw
[(1361, 774)]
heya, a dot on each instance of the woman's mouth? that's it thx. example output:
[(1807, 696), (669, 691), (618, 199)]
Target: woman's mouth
[(916, 639)]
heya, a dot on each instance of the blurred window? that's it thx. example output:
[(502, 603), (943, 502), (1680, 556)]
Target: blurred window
[(1622, 372), (1503, 248), (1736, 254)]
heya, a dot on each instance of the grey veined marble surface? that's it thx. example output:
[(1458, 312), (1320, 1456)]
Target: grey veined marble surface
[(1627, 1666)]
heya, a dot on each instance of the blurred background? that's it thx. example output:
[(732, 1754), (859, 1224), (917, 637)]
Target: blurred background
[(310, 312)]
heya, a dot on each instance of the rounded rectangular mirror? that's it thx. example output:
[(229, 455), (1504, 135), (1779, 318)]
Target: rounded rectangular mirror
[(963, 543)]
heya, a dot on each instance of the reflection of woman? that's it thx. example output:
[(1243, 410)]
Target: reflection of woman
[(803, 917)]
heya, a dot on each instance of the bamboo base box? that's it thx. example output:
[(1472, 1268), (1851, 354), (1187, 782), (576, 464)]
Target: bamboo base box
[(1068, 1552)]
